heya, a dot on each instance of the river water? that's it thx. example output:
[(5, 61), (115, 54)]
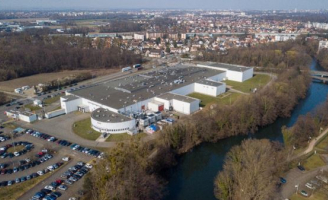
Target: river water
[(192, 178)]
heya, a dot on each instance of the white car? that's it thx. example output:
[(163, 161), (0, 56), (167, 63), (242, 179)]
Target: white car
[(50, 168), (40, 173), (65, 159), (27, 160), (63, 187), (89, 166), (16, 154), (310, 186), (49, 187)]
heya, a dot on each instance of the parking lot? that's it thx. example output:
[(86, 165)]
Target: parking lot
[(57, 152)]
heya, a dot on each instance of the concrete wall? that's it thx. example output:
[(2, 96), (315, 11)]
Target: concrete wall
[(221, 89), (206, 89), (248, 74), (218, 77), (70, 106), (167, 103), (26, 118), (185, 107), (235, 76), (113, 128), (185, 90)]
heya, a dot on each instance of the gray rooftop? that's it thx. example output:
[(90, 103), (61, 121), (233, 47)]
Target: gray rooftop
[(69, 98), (104, 115), (127, 91), (170, 96), (210, 83), (230, 67)]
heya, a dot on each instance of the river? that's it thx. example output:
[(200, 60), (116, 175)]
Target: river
[(192, 178)]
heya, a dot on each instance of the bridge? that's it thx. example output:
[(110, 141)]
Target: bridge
[(320, 76)]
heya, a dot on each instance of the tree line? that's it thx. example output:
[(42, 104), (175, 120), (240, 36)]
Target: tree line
[(216, 122), (307, 126), (24, 55)]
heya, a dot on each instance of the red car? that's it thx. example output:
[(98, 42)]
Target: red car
[(59, 181)]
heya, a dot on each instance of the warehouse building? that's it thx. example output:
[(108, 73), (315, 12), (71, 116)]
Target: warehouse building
[(117, 105), (232, 72)]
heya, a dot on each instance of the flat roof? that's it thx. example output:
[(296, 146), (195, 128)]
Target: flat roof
[(104, 115), (210, 83), (69, 98), (170, 96), (230, 67), (127, 91)]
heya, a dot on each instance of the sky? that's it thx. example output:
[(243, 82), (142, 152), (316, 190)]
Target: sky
[(162, 4)]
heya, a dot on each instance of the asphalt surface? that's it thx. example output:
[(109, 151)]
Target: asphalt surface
[(61, 127), (297, 177), (58, 152)]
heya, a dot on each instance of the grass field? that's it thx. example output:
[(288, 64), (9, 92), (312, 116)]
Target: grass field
[(10, 126), (257, 81), (17, 148), (32, 107), (323, 144), (52, 99), (46, 77), (313, 162), (224, 99), (123, 136), (83, 129)]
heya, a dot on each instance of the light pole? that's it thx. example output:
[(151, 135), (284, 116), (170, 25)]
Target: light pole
[(296, 188)]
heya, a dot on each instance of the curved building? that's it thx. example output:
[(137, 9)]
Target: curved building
[(106, 121)]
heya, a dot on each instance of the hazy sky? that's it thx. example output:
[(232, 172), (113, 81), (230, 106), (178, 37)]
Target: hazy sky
[(201, 4)]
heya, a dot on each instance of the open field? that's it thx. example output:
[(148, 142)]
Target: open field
[(124, 136), (313, 162), (46, 77), (257, 81), (17, 148), (224, 99), (83, 129), (52, 99), (323, 144), (23, 19), (32, 107)]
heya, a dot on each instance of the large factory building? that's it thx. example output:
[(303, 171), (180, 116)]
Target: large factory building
[(117, 106)]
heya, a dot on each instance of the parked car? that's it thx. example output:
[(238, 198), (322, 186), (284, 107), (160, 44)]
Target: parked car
[(304, 193), (300, 167)]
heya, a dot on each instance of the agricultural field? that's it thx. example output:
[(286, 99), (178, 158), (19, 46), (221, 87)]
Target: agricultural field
[(10, 85)]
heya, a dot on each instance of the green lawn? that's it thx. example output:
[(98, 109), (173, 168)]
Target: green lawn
[(313, 162), (83, 129), (52, 99), (33, 107), (323, 144), (257, 81), (226, 98), (124, 136)]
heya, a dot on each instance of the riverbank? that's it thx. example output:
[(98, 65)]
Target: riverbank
[(193, 177)]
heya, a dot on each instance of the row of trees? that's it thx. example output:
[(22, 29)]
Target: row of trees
[(323, 58), (24, 55), (122, 26), (307, 126)]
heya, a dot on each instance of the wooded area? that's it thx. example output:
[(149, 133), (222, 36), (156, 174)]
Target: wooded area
[(24, 54), (307, 126), (250, 171), (121, 26)]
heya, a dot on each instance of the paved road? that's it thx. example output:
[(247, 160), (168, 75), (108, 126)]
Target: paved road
[(296, 177)]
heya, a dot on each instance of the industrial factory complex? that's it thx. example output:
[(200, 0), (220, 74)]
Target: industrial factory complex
[(123, 105)]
